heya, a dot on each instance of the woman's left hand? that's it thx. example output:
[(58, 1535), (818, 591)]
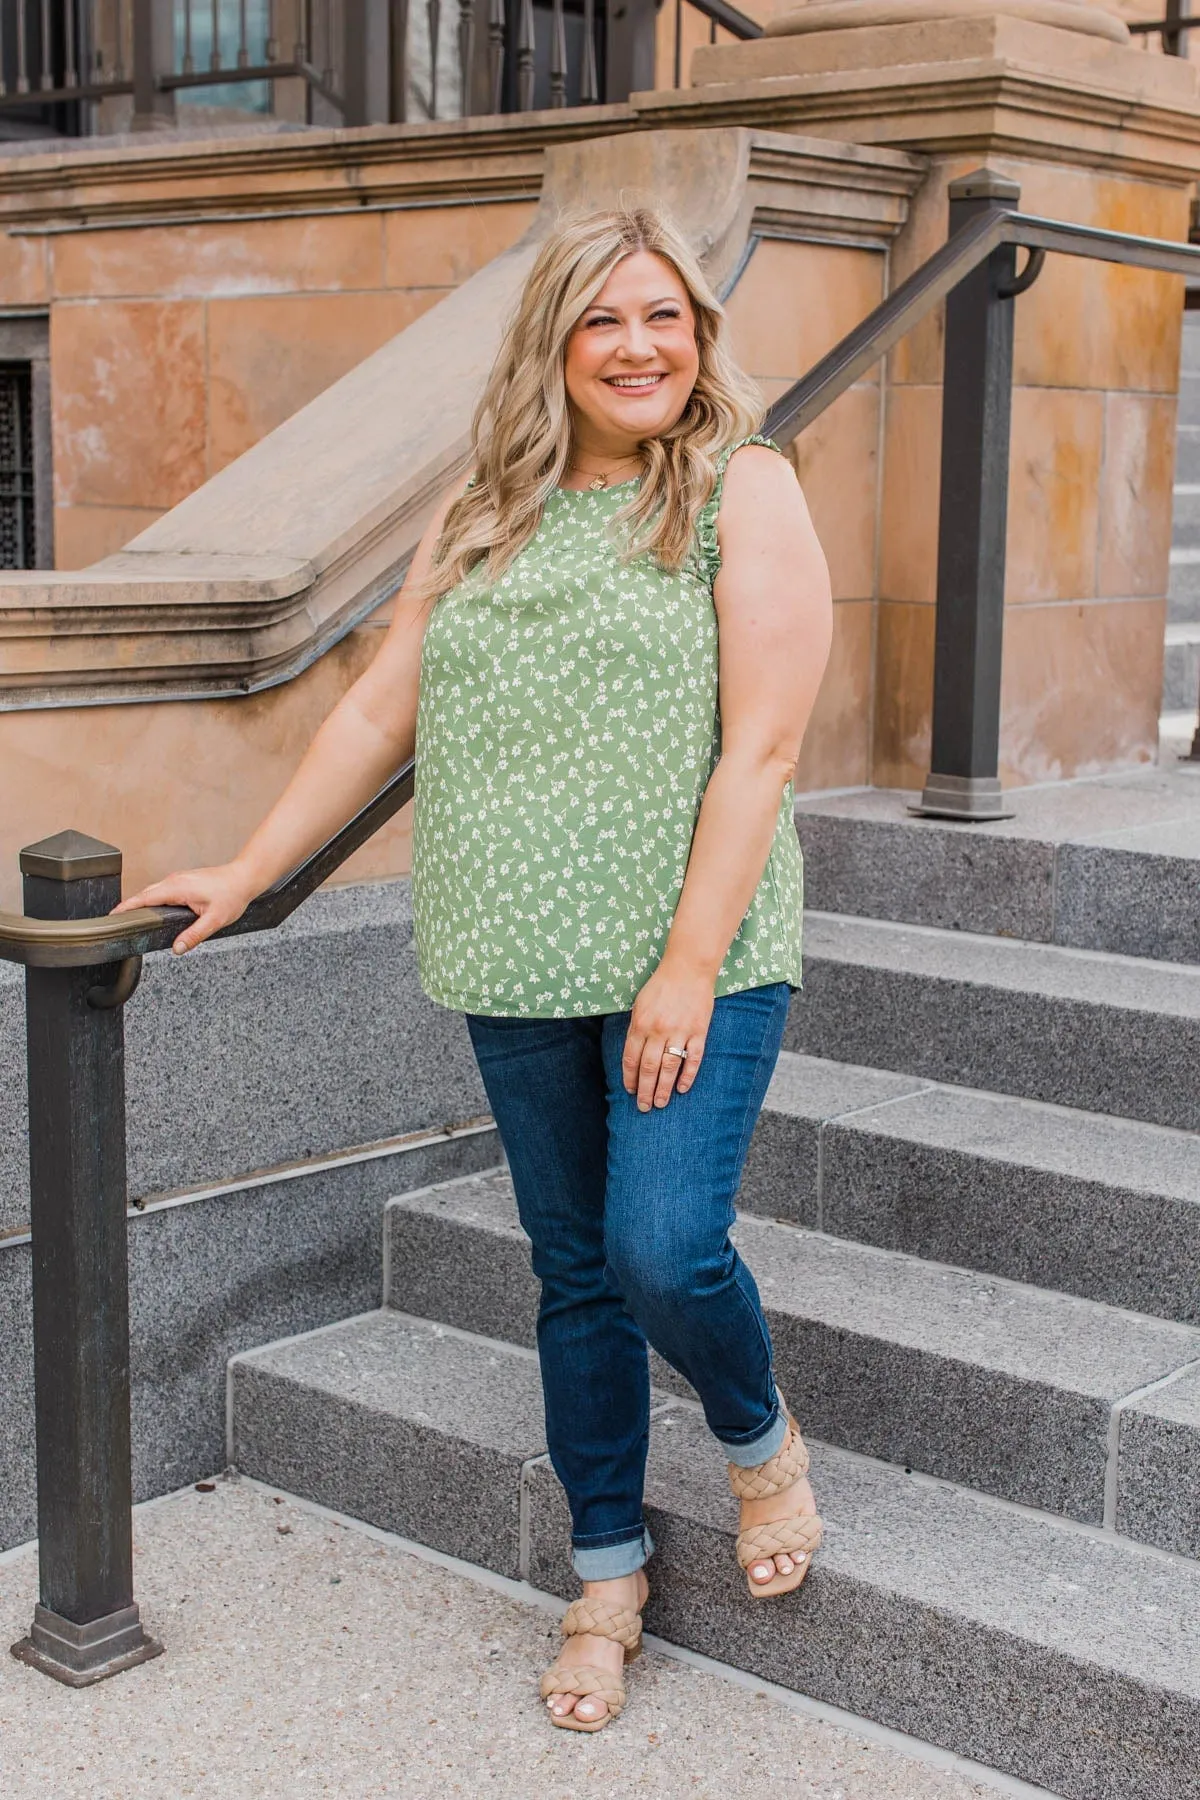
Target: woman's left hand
[(673, 1008)]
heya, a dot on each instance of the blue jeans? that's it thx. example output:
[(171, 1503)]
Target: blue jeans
[(628, 1214)]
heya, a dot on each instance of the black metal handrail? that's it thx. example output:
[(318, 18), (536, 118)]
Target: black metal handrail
[(1170, 29), (908, 304), (82, 961), (114, 938)]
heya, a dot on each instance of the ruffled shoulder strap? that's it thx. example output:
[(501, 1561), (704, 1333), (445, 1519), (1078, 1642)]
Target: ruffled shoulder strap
[(706, 518)]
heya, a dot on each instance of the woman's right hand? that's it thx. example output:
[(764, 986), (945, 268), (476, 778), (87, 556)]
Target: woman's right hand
[(217, 896)]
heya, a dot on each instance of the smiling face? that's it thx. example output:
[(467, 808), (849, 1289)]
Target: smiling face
[(632, 360)]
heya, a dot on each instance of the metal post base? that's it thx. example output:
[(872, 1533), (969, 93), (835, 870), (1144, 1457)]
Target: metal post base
[(972, 798), (78, 1655)]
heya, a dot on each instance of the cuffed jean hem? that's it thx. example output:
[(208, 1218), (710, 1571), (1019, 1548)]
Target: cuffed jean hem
[(605, 1562), (747, 1455)]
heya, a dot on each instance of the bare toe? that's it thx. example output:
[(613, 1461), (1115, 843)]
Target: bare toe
[(784, 1564), (590, 1709), (762, 1571)]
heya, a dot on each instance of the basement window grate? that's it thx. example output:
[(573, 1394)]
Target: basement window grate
[(18, 535)]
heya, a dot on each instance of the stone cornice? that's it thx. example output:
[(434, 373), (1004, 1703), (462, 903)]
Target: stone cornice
[(989, 83), (248, 580)]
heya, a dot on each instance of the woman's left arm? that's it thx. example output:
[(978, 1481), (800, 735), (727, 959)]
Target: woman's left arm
[(775, 623)]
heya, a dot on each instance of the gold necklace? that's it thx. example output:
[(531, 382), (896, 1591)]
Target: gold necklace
[(601, 481)]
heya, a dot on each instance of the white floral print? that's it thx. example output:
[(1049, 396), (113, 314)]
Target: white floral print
[(567, 726)]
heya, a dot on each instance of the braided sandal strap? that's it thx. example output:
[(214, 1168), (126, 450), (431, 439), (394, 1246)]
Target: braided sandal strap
[(783, 1470), (584, 1683), (603, 1618), (803, 1533)]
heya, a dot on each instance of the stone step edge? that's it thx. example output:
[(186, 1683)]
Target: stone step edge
[(662, 1403)]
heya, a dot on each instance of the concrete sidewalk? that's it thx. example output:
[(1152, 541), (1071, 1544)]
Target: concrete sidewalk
[(308, 1658)]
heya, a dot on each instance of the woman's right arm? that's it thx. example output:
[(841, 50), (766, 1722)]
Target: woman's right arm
[(368, 735)]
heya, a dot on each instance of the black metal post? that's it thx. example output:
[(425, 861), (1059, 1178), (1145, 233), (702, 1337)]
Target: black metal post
[(963, 782), (629, 38), (87, 1624), (153, 39), (366, 62)]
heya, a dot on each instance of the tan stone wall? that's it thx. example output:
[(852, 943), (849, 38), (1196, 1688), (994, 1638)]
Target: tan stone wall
[(793, 303), (174, 348)]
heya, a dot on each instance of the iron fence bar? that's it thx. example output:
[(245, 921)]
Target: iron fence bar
[(243, 52), (558, 55), (271, 46), (22, 51), (433, 14), (496, 31), (86, 1624), (153, 103), (70, 66), (188, 64), (46, 76), (526, 44), (3, 83), (466, 54), (589, 82), (398, 53)]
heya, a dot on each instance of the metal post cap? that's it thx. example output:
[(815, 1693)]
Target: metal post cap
[(70, 856), (985, 184)]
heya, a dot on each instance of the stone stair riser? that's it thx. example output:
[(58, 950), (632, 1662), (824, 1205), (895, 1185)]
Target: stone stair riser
[(1085, 896), (1024, 1437), (1067, 1051)]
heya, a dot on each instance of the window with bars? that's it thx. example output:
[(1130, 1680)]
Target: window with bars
[(18, 533)]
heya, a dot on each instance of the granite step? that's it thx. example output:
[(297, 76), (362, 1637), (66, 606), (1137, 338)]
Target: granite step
[(1062, 1655), (1189, 397), (1187, 453), (1111, 864), (1106, 1209), (1092, 1031), (1185, 513), (998, 1386), (1183, 592), (1181, 667)]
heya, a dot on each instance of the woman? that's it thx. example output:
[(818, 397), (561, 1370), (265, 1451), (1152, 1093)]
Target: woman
[(612, 598)]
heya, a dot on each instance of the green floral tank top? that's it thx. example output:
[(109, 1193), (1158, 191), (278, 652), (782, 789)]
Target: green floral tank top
[(567, 725)]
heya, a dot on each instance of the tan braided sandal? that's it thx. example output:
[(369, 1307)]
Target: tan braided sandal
[(594, 1618), (798, 1536)]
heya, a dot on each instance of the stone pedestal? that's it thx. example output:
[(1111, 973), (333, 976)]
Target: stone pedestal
[(1053, 95)]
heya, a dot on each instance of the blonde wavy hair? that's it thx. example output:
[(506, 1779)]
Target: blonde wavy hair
[(521, 430)]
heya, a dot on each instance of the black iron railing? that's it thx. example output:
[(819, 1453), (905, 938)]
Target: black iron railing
[(82, 963), (368, 61), (1171, 29)]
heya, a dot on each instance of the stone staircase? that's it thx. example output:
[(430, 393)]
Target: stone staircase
[(1181, 667), (973, 1207)]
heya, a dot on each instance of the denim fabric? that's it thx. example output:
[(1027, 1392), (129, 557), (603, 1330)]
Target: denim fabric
[(628, 1214)]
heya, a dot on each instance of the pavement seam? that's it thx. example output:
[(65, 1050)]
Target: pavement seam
[(1112, 1465)]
